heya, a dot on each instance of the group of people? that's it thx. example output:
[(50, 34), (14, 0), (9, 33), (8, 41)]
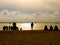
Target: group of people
[(14, 27), (10, 28), (51, 28)]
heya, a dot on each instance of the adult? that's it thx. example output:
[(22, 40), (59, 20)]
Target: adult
[(32, 24), (51, 28), (56, 28), (45, 28)]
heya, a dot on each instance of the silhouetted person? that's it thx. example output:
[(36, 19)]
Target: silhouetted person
[(32, 24), (20, 29), (17, 28), (51, 28), (45, 28), (3, 28), (6, 28), (56, 28), (9, 28), (14, 26)]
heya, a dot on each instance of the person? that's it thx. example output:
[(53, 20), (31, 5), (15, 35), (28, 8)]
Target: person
[(3, 28), (17, 29), (14, 26), (56, 28), (32, 24), (51, 28), (6, 27), (9, 28), (20, 29), (45, 28)]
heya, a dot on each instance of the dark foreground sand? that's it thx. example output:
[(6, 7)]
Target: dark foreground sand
[(30, 38)]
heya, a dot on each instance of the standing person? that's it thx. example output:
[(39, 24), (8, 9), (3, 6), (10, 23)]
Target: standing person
[(9, 28), (32, 24), (14, 25), (3, 28)]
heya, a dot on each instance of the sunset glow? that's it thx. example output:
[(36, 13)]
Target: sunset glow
[(24, 26)]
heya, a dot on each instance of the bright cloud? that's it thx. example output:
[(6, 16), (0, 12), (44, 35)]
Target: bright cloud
[(30, 10), (39, 16)]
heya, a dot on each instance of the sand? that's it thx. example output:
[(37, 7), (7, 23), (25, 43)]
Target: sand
[(30, 38)]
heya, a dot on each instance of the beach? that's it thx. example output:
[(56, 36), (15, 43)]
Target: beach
[(30, 37)]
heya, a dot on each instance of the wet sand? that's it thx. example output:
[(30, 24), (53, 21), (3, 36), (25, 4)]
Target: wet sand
[(29, 37)]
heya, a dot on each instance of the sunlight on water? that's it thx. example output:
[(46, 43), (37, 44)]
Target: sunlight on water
[(24, 26)]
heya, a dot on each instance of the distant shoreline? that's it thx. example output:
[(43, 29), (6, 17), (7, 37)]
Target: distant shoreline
[(30, 22)]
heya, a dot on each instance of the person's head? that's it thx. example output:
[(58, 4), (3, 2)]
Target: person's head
[(14, 23), (31, 22)]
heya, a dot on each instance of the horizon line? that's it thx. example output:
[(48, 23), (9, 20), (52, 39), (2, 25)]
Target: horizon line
[(30, 22)]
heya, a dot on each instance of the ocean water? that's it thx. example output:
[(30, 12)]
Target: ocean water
[(27, 26)]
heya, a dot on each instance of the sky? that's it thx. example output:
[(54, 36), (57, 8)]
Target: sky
[(29, 10)]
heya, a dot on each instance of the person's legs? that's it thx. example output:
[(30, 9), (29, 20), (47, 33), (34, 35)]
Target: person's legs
[(31, 28)]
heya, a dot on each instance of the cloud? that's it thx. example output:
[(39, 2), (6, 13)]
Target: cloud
[(31, 11), (34, 16)]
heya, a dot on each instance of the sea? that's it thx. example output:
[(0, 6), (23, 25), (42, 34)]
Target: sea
[(27, 26)]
